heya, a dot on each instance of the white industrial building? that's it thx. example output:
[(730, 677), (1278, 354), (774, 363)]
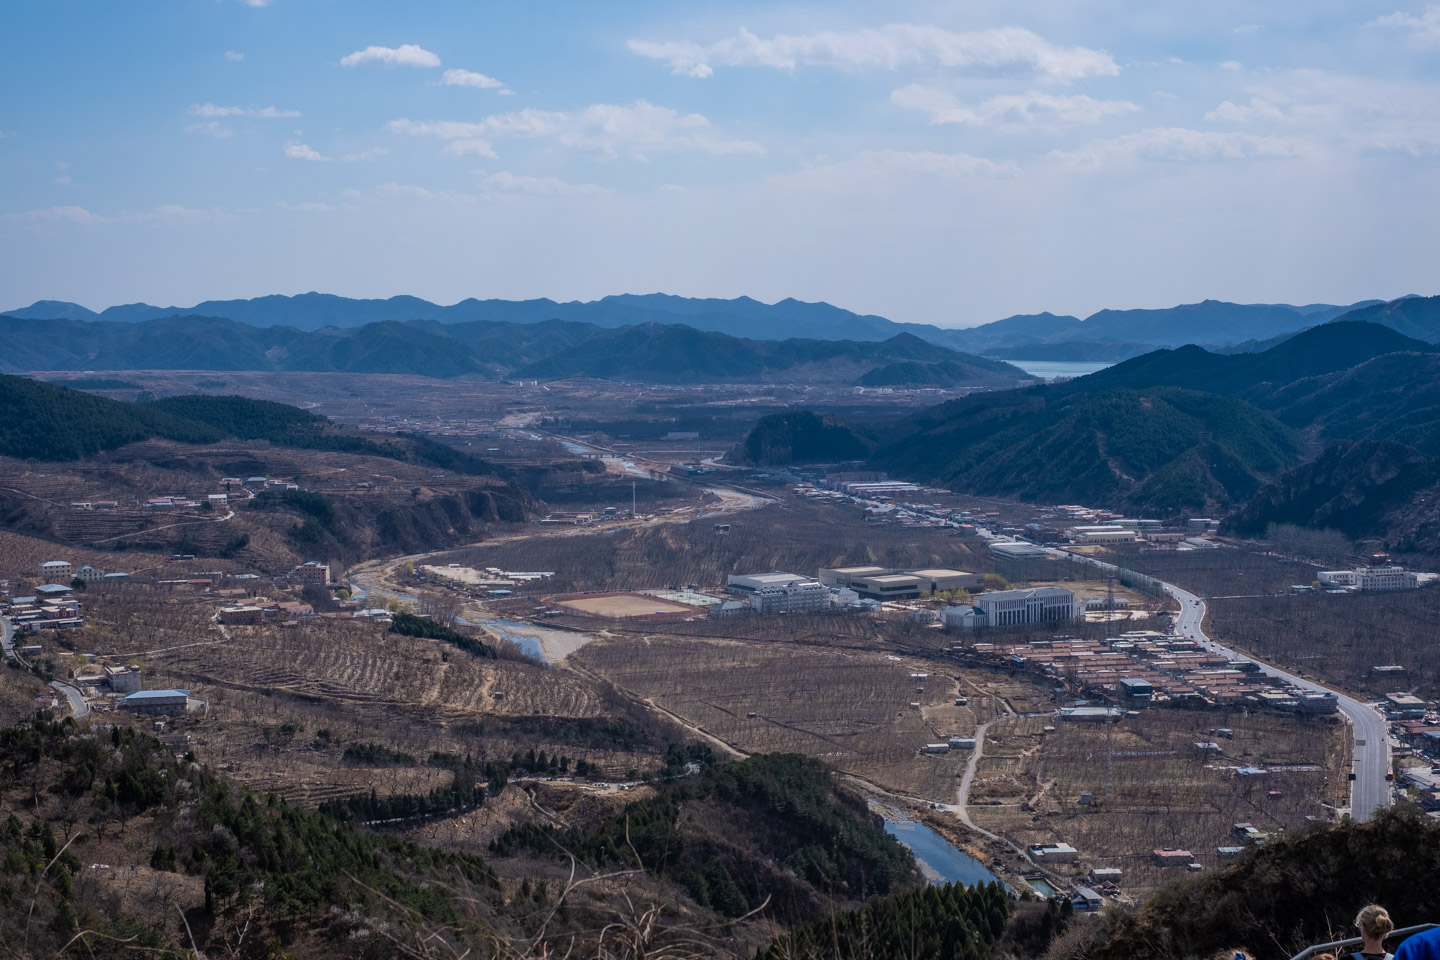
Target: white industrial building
[(1009, 608), (796, 596), (842, 576), (1368, 578), (1017, 551), (745, 585)]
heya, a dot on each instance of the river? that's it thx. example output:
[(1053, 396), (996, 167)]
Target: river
[(939, 860)]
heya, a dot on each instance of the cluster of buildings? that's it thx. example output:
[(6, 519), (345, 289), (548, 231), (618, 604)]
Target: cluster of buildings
[(838, 588), (1142, 667)]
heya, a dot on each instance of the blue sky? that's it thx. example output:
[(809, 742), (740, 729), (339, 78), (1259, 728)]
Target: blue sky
[(942, 162)]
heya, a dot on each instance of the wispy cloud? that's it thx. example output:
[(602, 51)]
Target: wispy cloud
[(76, 215), (211, 128), (405, 55), (256, 3), (215, 110), (1010, 110), (513, 184), (468, 78), (610, 130), (1425, 26), (892, 47), (374, 153), (1178, 144), (234, 55), (299, 151)]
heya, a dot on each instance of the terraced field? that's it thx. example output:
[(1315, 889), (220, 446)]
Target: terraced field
[(851, 708)]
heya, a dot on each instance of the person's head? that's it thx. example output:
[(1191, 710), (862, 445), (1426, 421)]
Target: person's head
[(1323, 956), (1374, 922), (1235, 953)]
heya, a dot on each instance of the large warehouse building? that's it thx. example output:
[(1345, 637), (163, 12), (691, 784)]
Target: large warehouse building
[(1009, 608)]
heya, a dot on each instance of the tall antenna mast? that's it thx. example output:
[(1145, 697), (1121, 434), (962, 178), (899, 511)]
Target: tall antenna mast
[(632, 498)]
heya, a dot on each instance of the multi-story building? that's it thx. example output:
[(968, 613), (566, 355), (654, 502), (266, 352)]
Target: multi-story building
[(796, 596), (1006, 608), (312, 572), (57, 571), (1368, 578)]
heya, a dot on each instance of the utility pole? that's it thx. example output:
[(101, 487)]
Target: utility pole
[(632, 499)]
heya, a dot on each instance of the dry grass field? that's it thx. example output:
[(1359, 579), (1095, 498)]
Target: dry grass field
[(849, 707), (1341, 637), (624, 605), (1162, 790)]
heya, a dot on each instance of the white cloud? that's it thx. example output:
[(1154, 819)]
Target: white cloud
[(1425, 26), (212, 128), (1178, 144), (891, 47), (215, 110), (1362, 114), (256, 3), (299, 151), (1009, 110), (404, 190), (1234, 66), (78, 215), (468, 78), (509, 183), (405, 55), (1249, 28), (611, 130), (373, 153), (234, 55), (1259, 109), (62, 180)]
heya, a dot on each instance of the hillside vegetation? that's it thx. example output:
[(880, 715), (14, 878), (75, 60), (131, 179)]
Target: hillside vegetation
[(1284, 896), (680, 354), (1163, 450), (800, 437), (774, 827)]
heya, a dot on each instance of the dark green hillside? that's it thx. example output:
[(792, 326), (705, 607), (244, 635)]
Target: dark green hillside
[(1392, 397), (774, 825), (678, 354), (1364, 488), (800, 437), (1284, 896), (929, 923), (1318, 351), (1164, 450), (45, 422), (913, 373)]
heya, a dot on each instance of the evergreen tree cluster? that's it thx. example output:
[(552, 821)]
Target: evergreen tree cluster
[(784, 805), (413, 625), (464, 793), (952, 922), (244, 847)]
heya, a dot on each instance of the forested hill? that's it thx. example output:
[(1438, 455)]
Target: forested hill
[(1282, 897), (680, 354), (47, 422), (1158, 451), (554, 349), (800, 437)]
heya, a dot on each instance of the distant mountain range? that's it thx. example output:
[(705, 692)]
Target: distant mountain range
[(1108, 335), (543, 350)]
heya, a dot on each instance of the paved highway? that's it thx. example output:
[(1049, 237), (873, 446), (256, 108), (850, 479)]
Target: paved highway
[(1369, 791)]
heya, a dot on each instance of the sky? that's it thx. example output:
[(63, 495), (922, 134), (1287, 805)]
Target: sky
[(935, 162)]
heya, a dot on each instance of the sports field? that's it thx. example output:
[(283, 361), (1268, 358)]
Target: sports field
[(623, 605)]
